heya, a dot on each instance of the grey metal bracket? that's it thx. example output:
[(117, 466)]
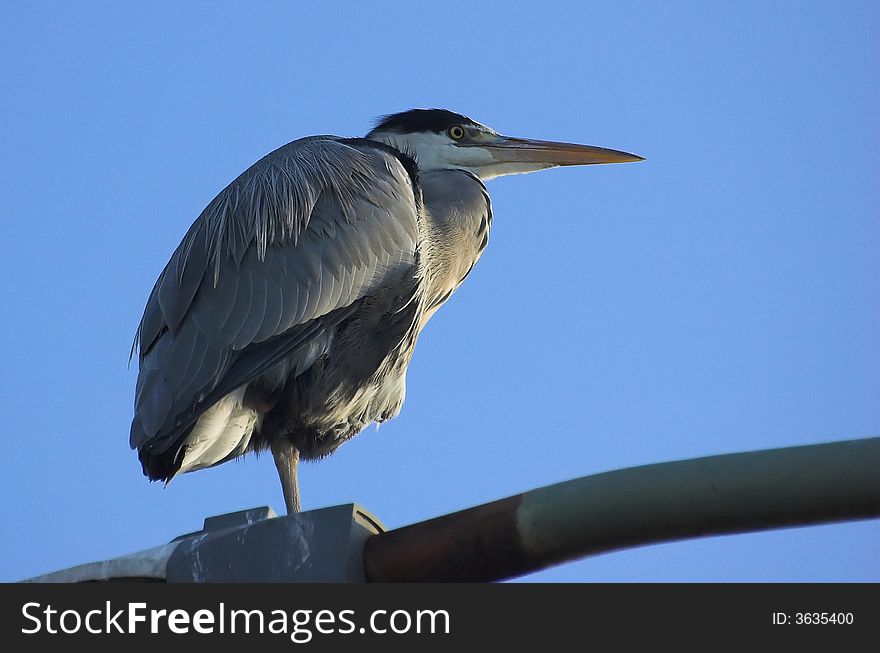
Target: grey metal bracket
[(254, 545)]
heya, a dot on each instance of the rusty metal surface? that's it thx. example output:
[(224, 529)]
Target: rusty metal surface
[(732, 493), (477, 544)]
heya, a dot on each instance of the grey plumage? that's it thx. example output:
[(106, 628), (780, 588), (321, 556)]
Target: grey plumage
[(288, 314), (273, 264)]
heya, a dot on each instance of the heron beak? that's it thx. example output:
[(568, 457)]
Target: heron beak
[(549, 153)]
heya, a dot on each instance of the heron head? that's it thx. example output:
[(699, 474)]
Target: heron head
[(441, 140)]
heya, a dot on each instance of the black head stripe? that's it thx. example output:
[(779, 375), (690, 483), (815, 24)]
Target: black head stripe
[(421, 120)]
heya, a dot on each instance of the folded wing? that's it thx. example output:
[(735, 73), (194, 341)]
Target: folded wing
[(274, 262)]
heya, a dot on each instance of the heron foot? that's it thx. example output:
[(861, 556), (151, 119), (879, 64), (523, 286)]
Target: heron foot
[(286, 457)]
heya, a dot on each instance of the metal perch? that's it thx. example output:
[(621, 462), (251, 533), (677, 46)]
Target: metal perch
[(717, 495)]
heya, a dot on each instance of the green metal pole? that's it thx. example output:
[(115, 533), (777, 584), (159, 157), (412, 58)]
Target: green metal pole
[(733, 493)]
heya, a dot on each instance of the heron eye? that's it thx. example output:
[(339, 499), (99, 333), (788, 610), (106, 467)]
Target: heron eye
[(456, 132)]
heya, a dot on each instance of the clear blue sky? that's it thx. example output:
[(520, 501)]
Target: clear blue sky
[(722, 296)]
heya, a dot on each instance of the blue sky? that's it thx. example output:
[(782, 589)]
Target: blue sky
[(721, 296)]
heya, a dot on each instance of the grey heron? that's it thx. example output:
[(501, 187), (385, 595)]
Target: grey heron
[(287, 316)]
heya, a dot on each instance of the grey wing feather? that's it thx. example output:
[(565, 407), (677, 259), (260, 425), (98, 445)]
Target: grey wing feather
[(266, 269)]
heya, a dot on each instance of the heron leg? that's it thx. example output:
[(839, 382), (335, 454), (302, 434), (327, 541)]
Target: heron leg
[(286, 458)]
